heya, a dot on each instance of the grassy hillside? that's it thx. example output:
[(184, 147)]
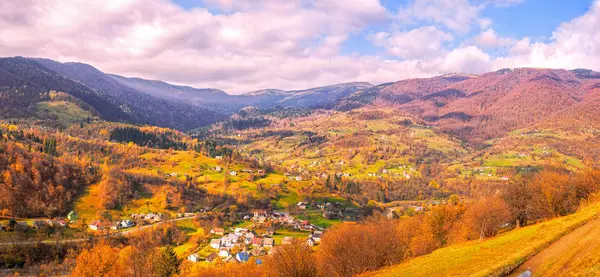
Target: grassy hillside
[(493, 257), (62, 112)]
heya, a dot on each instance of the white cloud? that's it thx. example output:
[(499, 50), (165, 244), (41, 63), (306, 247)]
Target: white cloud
[(457, 15), (417, 43), (490, 39), (279, 44), (575, 44)]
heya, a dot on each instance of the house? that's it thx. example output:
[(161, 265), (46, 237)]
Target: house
[(219, 157), (72, 216), (257, 241), (298, 178), (311, 242), (218, 169), (95, 225), (316, 236), (224, 253), (268, 242), (260, 214), (215, 243), (211, 257), (242, 256), (127, 224), (287, 240), (301, 205), (194, 258), (270, 230), (217, 231), (233, 173)]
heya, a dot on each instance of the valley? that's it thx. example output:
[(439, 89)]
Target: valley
[(101, 159)]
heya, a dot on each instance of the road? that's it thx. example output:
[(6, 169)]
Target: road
[(124, 233), (556, 258)]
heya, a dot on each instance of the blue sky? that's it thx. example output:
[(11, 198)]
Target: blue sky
[(529, 18), (240, 46)]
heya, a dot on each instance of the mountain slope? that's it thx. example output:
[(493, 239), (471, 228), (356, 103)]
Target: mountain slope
[(164, 90), (141, 107), (321, 97), (24, 82)]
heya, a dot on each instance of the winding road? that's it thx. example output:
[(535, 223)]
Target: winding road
[(65, 241)]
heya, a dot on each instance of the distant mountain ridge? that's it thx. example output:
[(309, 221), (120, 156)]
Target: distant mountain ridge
[(473, 107)]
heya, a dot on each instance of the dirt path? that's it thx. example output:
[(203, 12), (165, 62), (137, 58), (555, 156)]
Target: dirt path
[(557, 257)]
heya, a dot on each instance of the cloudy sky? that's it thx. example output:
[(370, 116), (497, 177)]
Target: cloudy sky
[(240, 46)]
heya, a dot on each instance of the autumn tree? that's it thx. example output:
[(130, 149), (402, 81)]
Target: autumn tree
[(485, 217), (100, 261), (292, 260), (350, 249)]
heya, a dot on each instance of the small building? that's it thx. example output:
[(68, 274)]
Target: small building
[(301, 205), (215, 243), (233, 173), (298, 178), (257, 242), (242, 256), (218, 168), (311, 242), (224, 253), (95, 225), (219, 157), (212, 257), (127, 223), (268, 242), (194, 258)]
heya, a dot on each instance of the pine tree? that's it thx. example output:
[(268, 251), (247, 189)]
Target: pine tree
[(168, 264)]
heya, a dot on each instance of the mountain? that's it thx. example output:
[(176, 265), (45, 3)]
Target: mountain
[(168, 91), (112, 100), (477, 108), (319, 97), (25, 82)]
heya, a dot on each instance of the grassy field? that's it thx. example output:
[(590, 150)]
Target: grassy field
[(63, 112), (492, 257), (588, 265)]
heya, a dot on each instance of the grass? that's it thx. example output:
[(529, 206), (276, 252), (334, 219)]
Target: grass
[(588, 265), (492, 257), (65, 113)]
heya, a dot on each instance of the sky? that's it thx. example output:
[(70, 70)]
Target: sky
[(241, 46)]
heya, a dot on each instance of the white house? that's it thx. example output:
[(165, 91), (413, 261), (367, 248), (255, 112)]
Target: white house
[(233, 173), (215, 243), (224, 253), (193, 258)]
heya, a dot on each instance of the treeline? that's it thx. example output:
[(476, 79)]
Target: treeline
[(148, 139), (34, 184), (245, 123)]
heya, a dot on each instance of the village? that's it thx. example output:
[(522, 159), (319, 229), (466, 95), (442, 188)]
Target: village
[(260, 238)]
